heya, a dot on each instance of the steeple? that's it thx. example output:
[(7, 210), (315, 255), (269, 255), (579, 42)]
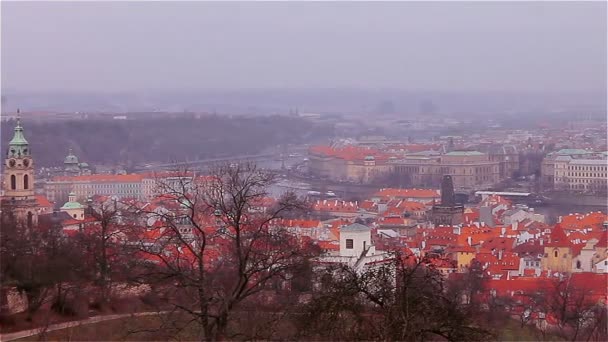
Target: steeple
[(18, 146), (19, 179)]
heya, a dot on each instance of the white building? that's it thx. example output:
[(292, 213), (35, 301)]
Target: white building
[(356, 249), (584, 261), (601, 266), (580, 174)]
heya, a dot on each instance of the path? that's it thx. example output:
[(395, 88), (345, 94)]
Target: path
[(27, 333)]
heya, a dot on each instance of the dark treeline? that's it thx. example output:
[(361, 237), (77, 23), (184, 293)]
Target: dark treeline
[(131, 142)]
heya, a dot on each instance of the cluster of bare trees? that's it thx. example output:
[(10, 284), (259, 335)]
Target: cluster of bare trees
[(401, 299), (560, 309), (66, 272)]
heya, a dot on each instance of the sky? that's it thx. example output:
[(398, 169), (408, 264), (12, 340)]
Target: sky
[(437, 46)]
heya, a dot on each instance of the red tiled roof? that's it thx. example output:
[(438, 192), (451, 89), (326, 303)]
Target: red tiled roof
[(298, 223), (349, 152), (42, 201), (329, 245), (408, 193)]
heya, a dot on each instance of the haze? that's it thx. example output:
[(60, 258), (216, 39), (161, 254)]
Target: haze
[(511, 46)]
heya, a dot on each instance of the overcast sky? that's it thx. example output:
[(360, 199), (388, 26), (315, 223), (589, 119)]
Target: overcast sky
[(118, 46)]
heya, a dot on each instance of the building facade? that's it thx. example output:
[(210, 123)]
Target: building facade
[(469, 169), (578, 174)]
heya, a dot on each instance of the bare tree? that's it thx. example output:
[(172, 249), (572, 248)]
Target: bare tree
[(578, 315), (103, 247), (38, 261), (215, 250)]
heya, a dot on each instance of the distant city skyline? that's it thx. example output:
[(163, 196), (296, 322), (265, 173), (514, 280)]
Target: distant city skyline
[(451, 46)]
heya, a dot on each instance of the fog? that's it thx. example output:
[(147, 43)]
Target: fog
[(168, 46)]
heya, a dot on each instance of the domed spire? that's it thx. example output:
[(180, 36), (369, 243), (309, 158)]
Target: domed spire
[(18, 146), (71, 158)]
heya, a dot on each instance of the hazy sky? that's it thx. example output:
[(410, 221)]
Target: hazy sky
[(116, 46)]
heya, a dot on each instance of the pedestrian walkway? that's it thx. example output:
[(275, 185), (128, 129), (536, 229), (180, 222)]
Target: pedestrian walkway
[(59, 326)]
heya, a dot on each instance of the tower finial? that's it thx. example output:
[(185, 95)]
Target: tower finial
[(18, 117)]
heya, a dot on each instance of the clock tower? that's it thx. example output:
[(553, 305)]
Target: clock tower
[(19, 200)]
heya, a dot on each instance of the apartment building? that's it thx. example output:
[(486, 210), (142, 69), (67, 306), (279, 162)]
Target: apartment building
[(581, 174)]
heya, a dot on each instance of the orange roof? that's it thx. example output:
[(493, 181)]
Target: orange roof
[(42, 201), (408, 193), (298, 223), (329, 245), (349, 152), (101, 178), (593, 220)]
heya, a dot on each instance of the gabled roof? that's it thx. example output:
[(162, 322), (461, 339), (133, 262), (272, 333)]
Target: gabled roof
[(355, 227)]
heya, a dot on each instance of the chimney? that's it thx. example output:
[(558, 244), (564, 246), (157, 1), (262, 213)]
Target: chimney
[(542, 242), (469, 240), (500, 254), (503, 230), (423, 244)]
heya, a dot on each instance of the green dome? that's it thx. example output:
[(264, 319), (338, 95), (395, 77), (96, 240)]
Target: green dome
[(72, 205)]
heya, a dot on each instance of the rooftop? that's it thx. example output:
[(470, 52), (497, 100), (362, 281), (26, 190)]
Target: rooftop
[(355, 227), (464, 153)]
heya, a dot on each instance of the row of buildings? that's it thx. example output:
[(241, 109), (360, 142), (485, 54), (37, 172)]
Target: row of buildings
[(575, 170), (415, 165), (141, 186), (424, 165)]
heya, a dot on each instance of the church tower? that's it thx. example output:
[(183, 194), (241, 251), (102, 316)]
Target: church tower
[(19, 200), (448, 213)]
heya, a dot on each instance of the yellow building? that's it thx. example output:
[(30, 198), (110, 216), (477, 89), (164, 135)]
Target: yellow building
[(462, 255), (559, 252)]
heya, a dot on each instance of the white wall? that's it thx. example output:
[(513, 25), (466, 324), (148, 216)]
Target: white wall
[(360, 239)]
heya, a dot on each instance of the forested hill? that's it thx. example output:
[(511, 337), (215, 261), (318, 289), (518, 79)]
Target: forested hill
[(131, 142)]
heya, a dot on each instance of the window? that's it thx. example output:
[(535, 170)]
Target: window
[(30, 219), (13, 182), (555, 254), (578, 264), (26, 182), (349, 243)]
